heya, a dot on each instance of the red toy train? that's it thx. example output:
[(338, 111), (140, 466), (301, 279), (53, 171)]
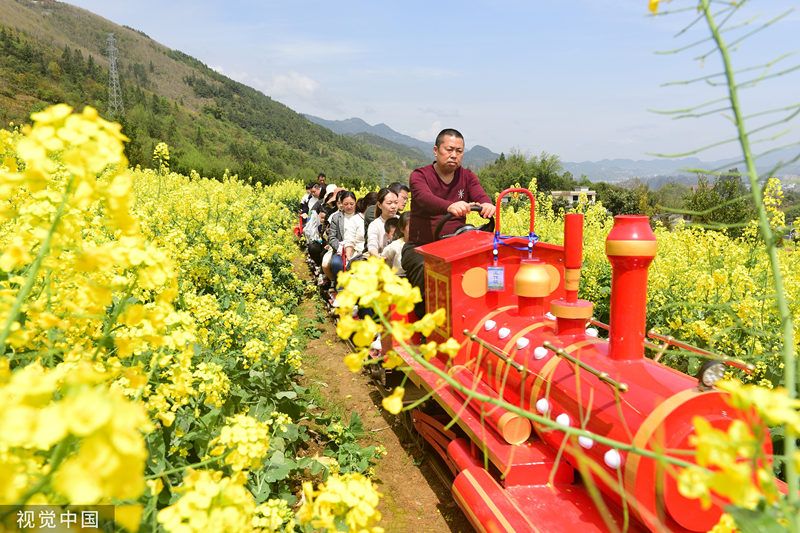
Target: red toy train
[(513, 303)]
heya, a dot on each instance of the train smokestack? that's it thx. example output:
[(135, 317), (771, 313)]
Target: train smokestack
[(573, 251), (630, 247), (572, 313)]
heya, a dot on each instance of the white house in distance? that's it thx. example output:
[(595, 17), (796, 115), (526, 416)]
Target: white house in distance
[(571, 197)]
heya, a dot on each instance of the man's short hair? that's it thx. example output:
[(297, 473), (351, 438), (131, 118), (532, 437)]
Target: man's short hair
[(396, 187), (321, 175), (448, 132)]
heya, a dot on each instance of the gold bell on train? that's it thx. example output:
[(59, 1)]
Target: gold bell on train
[(532, 279)]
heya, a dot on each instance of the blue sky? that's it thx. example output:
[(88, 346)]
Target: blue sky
[(571, 78)]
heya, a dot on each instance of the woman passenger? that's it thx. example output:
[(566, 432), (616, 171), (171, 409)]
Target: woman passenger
[(353, 224), (376, 232), (346, 202)]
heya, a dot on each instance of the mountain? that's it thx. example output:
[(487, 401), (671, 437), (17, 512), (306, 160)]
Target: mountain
[(53, 52), (612, 170), (352, 126), (475, 157), (479, 156), (608, 170)]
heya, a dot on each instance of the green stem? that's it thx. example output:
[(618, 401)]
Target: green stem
[(112, 321), (193, 465), (790, 367), (150, 375), (33, 270)]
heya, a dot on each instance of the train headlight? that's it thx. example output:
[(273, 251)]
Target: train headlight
[(710, 373)]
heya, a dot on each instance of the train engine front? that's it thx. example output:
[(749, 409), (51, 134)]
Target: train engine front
[(513, 304)]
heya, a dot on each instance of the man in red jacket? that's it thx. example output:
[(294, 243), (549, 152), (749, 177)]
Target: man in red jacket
[(436, 189)]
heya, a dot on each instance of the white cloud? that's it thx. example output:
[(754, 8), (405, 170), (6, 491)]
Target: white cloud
[(298, 51), (293, 84), (431, 132), (217, 68), (406, 73)]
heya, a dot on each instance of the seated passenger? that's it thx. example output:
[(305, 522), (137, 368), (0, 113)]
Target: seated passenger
[(353, 241), (314, 237), (308, 204), (304, 201), (390, 227), (376, 234), (401, 190), (393, 251), (332, 262), (441, 187)]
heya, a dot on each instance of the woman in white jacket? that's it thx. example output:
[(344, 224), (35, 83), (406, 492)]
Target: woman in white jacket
[(376, 232), (353, 241)]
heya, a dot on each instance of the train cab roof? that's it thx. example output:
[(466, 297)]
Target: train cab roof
[(467, 245)]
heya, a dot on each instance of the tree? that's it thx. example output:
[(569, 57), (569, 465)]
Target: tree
[(672, 195), (618, 200), (91, 67), (724, 204), (548, 173), (54, 70), (515, 168), (736, 207)]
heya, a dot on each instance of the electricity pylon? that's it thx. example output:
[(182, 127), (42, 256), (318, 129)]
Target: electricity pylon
[(115, 105)]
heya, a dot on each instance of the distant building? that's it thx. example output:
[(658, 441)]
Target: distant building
[(572, 197)]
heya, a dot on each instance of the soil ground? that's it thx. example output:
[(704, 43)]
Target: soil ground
[(416, 495)]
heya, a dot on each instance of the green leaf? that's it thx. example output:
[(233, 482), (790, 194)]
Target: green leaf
[(749, 521), (260, 488), (292, 433), (278, 443), (277, 459), (211, 417), (356, 426), (316, 468), (278, 468), (286, 394), (156, 448)]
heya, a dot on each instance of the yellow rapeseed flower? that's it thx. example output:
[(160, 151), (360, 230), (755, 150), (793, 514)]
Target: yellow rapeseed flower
[(394, 402), (726, 524), (245, 439), (210, 502), (450, 347), (773, 405), (348, 499), (354, 361)]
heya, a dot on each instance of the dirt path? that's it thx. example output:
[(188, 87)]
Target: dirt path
[(415, 499)]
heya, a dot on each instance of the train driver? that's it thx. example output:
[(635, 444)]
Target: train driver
[(441, 187)]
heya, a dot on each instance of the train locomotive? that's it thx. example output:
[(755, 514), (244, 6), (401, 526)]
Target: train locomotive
[(527, 338)]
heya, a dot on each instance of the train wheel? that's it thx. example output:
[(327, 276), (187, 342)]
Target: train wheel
[(378, 374), (416, 438)]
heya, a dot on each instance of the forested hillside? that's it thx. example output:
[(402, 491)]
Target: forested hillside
[(53, 52)]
